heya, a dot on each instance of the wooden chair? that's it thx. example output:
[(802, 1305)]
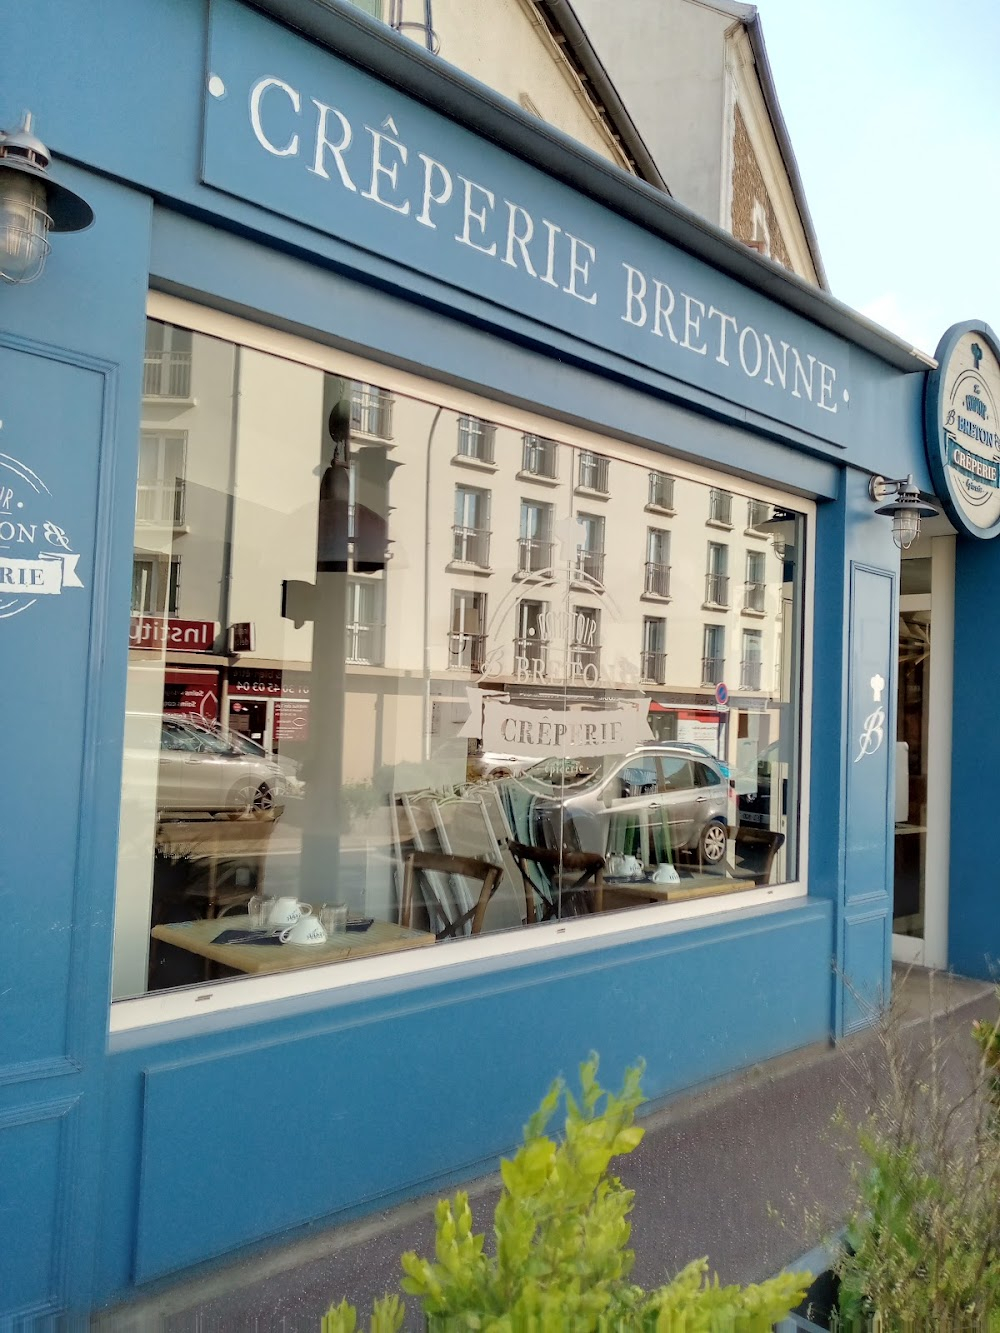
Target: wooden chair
[(468, 867), (586, 894), (754, 850)]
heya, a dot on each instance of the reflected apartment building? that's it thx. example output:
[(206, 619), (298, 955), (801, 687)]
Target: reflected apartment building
[(474, 555)]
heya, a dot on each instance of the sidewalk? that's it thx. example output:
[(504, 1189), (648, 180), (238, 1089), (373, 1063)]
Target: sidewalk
[(726, 1173)]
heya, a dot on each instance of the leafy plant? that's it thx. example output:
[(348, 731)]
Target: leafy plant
[(923, 1241), (561, 1233)]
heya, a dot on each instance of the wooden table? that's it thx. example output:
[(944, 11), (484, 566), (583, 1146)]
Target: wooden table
[(690, 886), (197, 937)]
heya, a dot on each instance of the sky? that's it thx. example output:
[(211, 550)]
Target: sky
[(893, 110)]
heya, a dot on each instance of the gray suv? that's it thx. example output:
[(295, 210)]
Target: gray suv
[(656, 796)]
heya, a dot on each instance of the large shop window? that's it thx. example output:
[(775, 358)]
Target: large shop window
[(392, 706)]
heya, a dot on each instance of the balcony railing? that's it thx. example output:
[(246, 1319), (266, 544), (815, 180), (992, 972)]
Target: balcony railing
[(160, 504), (533, 554), (720, 507), (466, 651), (717, 589), (531, 650), (712, 670), (539, 457), (590, 566), (657, 581), (593, 473), (166, 375), (753, 596), (758, 512), (661, 490), (475, 439), (750, 674), (472, 546), (366, 644), (371, 411), (653, 667)]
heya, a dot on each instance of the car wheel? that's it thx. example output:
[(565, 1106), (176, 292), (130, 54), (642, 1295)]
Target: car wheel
[(498, 774), (712, 843), (262, 804)]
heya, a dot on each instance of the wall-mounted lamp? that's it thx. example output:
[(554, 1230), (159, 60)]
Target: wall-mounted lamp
[(905, 504), (32, 205), (780, 527)]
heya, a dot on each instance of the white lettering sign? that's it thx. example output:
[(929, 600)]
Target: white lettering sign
[(540, 732), (287, 122)]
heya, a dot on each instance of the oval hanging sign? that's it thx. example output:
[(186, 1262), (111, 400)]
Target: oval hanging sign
[(962, 425)]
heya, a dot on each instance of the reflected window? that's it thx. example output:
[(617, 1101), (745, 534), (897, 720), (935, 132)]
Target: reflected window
[(713, 661), (539, 457), (593, 472), (475, 439)]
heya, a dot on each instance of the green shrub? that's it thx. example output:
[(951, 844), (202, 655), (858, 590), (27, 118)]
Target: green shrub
[(561, 1234)]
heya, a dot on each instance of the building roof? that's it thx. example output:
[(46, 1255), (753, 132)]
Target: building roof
[(750, 18), (569, 33)]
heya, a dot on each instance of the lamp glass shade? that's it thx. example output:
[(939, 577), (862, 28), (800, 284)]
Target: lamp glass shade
[(905, 527), (24, 225)]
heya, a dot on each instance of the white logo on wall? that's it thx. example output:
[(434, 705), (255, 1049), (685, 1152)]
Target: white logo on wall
[(35, 555), (873, 731)]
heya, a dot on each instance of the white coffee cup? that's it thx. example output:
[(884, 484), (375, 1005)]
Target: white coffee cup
[(286, 911), (616, 866), (632, 866), (665, 874), (307, 930)]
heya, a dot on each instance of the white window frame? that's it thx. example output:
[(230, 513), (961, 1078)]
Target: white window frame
[(510, 949)]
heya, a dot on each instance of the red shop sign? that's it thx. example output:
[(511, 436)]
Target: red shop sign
[(192, 694), (193, 636)]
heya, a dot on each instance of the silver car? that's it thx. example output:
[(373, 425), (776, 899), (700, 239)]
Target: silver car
[(657, 798), (199, 772)]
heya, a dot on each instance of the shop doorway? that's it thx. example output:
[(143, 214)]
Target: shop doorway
[(922, 810)]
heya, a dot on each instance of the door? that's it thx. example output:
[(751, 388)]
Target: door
[(922, 816)]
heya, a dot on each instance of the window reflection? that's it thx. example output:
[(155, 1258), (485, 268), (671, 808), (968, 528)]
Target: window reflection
[(458, 713)]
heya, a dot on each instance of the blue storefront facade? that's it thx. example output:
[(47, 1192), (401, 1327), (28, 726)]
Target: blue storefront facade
[(305, 187)]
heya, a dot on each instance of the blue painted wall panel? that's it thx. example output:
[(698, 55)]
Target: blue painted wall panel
[(389, 1082), (850, 825), (33, 1213), (974, 892), (70, 383)]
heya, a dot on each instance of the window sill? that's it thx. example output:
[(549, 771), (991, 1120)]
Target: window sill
[(718, 523), (477, 464), (591, 494), (755, 615), (660, 509), (369, 438), (756, 532), (151, 525), (655, 597), (467, 567), (500, 954), (538, 477), (167, 401)]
